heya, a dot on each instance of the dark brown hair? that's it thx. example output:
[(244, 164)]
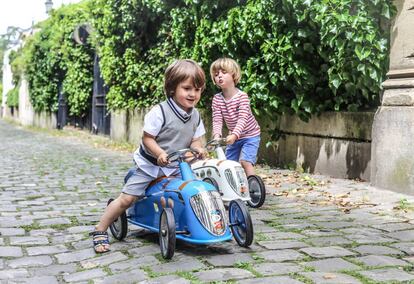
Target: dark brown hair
[(181, 70)]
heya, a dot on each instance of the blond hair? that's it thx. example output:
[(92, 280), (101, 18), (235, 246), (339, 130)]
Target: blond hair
[(226, 64), (181, 70)]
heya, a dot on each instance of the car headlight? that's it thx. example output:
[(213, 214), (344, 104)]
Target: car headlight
[(210, 211), (230, 179), (239, 183)]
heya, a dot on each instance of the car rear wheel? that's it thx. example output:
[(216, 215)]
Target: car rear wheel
[(167, 233), (119, 227), (257, 191)]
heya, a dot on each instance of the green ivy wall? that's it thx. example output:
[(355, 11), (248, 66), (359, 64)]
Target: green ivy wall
[(300, 57)]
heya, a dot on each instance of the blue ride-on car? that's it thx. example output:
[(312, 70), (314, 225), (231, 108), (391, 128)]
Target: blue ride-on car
[(187, 209)]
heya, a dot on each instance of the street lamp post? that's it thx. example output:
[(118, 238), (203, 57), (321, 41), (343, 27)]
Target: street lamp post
[(49, 6)]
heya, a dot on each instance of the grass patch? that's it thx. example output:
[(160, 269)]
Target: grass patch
[(161, 259), (84, 135), (258, 258), (307, 258), (247, 266), (62, 186), (189, 276), (73, 222), (355, 261), (107, 270), (150, 273), (33, 197), (298, 217), (301, 278), (309, 269), (60, 227), (86, 235), (308, 180), (409, 268), (404, 205), (105, 192), (147, 242), (28, 228), (353, 244), (258, 237), (362, 278)]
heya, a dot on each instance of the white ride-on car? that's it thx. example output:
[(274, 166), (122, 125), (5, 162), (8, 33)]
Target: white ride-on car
[(229, 177)]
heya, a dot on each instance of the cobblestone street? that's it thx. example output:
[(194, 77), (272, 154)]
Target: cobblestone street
[(312, 229)]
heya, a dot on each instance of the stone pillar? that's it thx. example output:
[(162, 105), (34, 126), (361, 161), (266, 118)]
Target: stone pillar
[(392, 150), (7, 83)]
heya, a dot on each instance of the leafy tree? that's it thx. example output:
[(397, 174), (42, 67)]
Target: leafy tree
[(299, 56), (296, 56), (55, 59)]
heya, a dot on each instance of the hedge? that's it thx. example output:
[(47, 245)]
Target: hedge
[(300, 56)]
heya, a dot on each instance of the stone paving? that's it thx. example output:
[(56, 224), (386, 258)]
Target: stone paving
[(312, 229)]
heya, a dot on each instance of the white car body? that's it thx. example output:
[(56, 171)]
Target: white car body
[(229, 175)]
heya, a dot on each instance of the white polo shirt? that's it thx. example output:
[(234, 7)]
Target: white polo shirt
[(153, 121)]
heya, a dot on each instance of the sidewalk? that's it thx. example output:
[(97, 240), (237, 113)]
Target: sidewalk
[(312, 228)]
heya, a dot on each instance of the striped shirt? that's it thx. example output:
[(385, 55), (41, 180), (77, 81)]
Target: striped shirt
[(237, 115)]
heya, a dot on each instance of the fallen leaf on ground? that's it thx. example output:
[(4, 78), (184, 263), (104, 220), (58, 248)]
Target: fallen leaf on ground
[(329, 276)]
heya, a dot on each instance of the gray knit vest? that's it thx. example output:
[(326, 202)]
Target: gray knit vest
[(176, 132)]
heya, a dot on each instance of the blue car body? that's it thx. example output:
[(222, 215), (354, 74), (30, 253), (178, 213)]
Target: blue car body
[(199, 212)]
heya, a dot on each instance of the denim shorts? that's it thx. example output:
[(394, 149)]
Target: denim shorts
[(244, 149)]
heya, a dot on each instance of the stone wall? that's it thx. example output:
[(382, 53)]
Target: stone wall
[(26, 114), (45, 120), (336, 144), (127, 125), (7, 81)]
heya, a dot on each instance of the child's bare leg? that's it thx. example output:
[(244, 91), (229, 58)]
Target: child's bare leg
[(248, 168), (113, 211)]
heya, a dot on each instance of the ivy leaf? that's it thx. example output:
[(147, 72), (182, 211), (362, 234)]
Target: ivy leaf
[(386, 11), (361, 68), (373, 74), (336, 81), (358, 51)]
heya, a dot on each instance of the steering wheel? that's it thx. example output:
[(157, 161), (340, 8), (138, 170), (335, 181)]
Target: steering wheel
[(179, 156), (213, 144)]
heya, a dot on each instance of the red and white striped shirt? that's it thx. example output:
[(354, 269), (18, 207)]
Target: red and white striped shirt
[(236, 113)]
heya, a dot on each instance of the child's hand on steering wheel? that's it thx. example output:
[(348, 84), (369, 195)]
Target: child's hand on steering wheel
[(162, 159), (202, 152), (216, 137), (230, 139)]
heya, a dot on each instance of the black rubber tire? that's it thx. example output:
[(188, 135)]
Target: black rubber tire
[(119, 228), (241, 223), (167, 233), (213, 182), (257, 191)]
